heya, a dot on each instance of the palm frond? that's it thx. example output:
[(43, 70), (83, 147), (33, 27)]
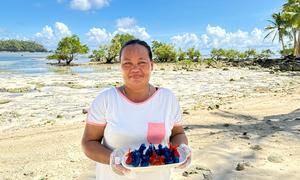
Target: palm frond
[(268, 34), (274, 36)]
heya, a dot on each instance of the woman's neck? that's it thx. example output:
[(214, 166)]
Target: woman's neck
[(137, 94)]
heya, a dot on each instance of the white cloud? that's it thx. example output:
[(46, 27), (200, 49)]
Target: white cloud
[(186, 41), (126, 22), (100, 3), (85, 5), (46, 33), (82, 5), (49, 37), (128, 25), (138, 32), (215, 31), (97, 36), (217, 37), (62, 30)]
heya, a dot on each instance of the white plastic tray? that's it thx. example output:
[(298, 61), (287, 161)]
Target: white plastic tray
[(182, 158)]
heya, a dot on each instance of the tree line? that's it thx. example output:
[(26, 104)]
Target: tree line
[(71, 46), (14, 45), (284, 25)]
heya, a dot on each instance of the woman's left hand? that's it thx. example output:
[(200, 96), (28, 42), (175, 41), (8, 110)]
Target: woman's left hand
[(183, 148)]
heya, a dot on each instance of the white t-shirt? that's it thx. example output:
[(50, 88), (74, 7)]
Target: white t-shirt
[(129, 124)]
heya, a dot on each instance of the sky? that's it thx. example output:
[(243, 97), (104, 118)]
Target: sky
[(237, 24)]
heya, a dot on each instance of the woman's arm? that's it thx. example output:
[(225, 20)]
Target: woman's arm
[(178, 136), (91, 145)]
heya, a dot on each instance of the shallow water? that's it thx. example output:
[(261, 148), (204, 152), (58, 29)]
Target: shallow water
[(36, 64)]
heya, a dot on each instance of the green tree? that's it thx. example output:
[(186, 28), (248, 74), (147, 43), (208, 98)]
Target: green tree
[(68, 48), (278, 27), (116, 43), (291, 11), (265, 54), (242, 56), (250, 53), (287, 52), (217, 54), (231, 54), (14, 45), (181, 55), (105, 53), (109, 53), (193, 54), (163, 52)]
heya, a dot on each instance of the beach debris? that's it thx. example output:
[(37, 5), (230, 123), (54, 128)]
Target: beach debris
[(240, 166), (277, 128), (245, 136), (4, 101), (186, 128), (275, 159), (16, 89), (196, 171), (59, 116), (256, 147), (186, 112), (28, 174), (187, 173), (226, 125), (212, 107), (84, 111)]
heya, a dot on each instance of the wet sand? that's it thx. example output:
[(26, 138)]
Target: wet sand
[(231, 115)]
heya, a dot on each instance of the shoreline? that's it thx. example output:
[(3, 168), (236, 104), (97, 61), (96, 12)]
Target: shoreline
[(33, 99)]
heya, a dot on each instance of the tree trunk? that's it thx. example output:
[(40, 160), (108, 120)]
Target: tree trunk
[(109, 60), (295, 40), (282, 43), (298, 44), (70, 59)]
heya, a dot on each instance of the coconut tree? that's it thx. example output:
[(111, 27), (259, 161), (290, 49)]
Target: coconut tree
[(277, 27), (291, 11)]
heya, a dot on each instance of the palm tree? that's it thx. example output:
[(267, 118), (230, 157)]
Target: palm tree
[(291, 12), (278, 27)]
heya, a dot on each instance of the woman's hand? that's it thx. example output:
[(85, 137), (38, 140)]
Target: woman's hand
[(185, 149), (115, 162)]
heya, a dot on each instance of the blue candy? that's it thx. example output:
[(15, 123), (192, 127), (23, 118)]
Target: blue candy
[(141, 157), (136, 159), (142, 148)]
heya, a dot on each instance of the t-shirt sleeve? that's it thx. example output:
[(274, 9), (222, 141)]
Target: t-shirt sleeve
[(97, 111), (176, 112)]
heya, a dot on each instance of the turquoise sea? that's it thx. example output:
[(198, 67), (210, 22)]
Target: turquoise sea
[(36, 64)]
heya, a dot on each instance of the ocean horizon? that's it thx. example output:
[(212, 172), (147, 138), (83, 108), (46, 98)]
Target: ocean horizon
[(36, 64)]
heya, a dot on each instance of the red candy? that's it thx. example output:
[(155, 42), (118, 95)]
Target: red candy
[(129, 158), (174, 149), (166, 155)]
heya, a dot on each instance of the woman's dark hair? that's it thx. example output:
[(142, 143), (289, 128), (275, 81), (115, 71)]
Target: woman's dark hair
[(136, 41)]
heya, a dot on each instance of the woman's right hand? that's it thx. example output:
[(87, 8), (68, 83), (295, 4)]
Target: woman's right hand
[(115, 162)]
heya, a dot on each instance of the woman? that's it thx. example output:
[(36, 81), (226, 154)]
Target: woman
[(130, 115)]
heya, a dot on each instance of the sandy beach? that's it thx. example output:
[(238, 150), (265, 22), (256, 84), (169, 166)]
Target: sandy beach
[(245, 116)]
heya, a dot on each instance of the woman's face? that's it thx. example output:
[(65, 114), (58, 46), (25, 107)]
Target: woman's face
[(136, 65)]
